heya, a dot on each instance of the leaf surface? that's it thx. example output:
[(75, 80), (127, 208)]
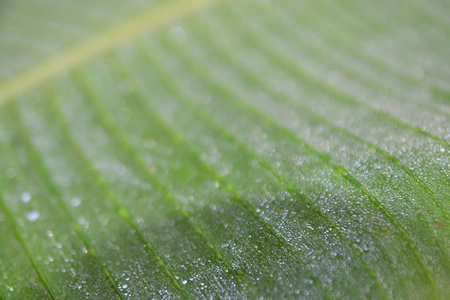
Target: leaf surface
[(244, 149)]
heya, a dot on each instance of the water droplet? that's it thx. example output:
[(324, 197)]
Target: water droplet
[(75, 202), (50, 234), (151, 168), (216, 184), (10, 173), (33, 216), (149, 143), (25, 198), (84, 250), (184, 281), (177, 34), (124, 286)]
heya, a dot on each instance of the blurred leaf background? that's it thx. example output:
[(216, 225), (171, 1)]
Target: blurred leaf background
[(224, 149)]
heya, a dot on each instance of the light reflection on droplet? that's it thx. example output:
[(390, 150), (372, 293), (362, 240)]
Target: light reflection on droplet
[(75, 202), (25, 197), (33, 216)]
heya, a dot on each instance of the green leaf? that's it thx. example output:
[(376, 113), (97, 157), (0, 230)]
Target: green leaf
[(224, 149)]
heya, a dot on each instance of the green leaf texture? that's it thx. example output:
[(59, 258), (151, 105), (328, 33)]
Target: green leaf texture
[(224, 149)]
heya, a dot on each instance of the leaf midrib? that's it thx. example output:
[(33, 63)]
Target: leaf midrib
[(150, 20)]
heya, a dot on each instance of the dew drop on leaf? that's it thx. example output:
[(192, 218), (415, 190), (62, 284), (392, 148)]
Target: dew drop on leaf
[(177, 34), (25, 198), (33, 216), (75, 202), (10, 173)]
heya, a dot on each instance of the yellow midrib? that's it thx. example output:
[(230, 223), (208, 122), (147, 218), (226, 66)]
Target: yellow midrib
[(76, 56)]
